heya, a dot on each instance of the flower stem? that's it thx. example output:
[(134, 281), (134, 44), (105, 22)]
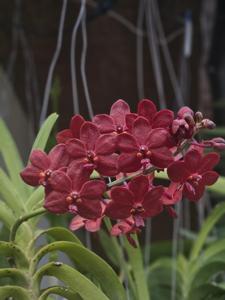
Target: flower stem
[(24, 219), (128, 178)]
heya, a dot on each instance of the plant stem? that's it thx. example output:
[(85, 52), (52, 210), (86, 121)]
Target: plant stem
[(23, 219), (128, 178)]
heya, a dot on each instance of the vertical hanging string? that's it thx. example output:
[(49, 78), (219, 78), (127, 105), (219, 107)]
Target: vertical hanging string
[(53, 64), (72, 58), (154, 52), (139, 46), (167, 56), (176, 226), (83, 63)]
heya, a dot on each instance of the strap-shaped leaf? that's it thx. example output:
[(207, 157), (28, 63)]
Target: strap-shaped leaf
[(6, 215), (207, 291), (35, 198), (19, 277), (108, 246), (11, 158), (14, 292), (77, 282), (12, 251), (212, 251), (10, 194), (43, 135), (88, 263), (208, 225), (58, 234), (61, 291)]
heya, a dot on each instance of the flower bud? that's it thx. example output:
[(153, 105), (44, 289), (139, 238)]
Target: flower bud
[(198, 116), (206, 123), (218, 143)]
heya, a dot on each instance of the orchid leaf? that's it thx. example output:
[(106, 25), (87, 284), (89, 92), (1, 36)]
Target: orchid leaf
[(14, 292), (77, 282), (13, 252), (207, 292), (12, 158), (35, 198), (89, 263), (6, 215), (60, 291), (16, 275), (44, 133)]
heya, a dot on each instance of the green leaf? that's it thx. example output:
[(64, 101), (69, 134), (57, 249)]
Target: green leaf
[(207, 292), (16, 275), (11, 196), (218, 187), (6, 215), (77, 282), (88, 263), (15, 292), (208, 225), (43, 135), (136, 262), (108, 246), (11, 158), (36, 198), (10, 250), (61, 291), (214, 250)]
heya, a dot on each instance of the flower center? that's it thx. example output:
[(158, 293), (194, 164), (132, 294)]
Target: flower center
[(195, 178), (91, 157), (73, 198), (144, 152), (137, 209), (44, 176), (119, 129)]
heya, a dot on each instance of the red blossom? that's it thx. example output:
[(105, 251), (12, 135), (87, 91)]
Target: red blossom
[(42, 165), (135, 200), (143, 144), (74, 190), (73, 132), (94, 151), (194, 173), (116, 121)]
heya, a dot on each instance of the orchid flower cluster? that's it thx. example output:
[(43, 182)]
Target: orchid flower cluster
[(106, 167)]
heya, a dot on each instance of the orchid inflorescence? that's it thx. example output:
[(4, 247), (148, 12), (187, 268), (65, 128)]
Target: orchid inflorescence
[(107, 167)]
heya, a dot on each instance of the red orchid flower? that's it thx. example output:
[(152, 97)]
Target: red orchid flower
[(116, 121), (143, 144), (73, 132), (73, 191), (126, 227), (135, 200), (194, 173), (91, 225), (42, 165), (94, 151)]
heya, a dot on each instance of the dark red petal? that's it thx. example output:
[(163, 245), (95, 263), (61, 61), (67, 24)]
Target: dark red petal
[(89, 209), (177, 172), (147, 109), (163, 119), (161, 157), (192, 160), (77, 223), (39, 159), (104, 122), (76, 148), (127, 143), (157, 137), (208, 162), (117, 210), (194, 195), (31, 175), (141, 130), (78, 174), (61, 182), (130, 118), (118, 112), (107, 165), (152, 202), (75, 125), (122, 196), (63, 136), (93, 190), (56, 203), (106, 144), (210, 177), (59, 157), (93, 225), (172, 194), (139, 187), (129, 162), (88, 134)]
